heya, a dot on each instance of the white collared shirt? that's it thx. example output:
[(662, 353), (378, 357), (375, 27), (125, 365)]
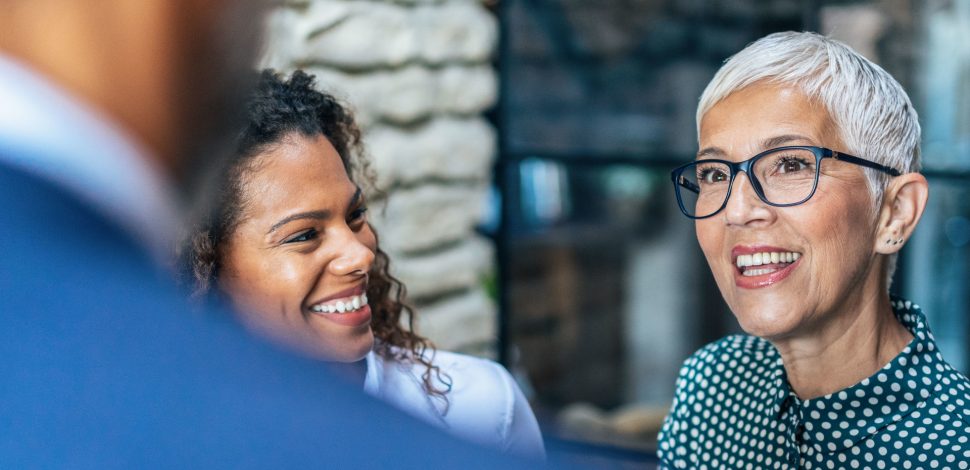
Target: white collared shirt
[(485, 406), (49, 133)]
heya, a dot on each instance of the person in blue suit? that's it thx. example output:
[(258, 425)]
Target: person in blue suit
[(105, 108)]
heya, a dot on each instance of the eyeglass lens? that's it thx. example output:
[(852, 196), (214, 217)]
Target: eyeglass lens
[(785, 176)]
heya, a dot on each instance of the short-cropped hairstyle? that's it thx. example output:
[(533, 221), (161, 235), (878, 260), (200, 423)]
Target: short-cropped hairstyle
[(870, 109)]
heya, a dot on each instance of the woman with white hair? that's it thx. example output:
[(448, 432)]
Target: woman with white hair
[(805, 188)]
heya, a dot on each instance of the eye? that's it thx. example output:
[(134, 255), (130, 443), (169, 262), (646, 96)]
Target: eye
[(711, 175), (358, 215), (790, 164), (303, 236)]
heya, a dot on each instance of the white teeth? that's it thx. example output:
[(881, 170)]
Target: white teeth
[(342, 306), (758, 259)]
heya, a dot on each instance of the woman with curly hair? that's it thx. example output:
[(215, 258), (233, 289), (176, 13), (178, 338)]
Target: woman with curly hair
[(289, 246)]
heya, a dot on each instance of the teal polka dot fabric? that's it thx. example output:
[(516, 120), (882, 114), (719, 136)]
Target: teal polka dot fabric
[(733, 408)]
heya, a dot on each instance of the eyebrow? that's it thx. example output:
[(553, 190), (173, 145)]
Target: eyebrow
[(781, 140), (315, 215), (766, 144), (710, 152)]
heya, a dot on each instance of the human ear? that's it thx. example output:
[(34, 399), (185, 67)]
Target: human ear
[(903, 203)]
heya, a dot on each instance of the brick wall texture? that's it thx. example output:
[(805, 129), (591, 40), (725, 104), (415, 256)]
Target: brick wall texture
[(418, 75)]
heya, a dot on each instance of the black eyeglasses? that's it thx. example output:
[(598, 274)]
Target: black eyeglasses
[(781, 177)]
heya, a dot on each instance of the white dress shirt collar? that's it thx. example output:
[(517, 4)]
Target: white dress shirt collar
[(375, 370)]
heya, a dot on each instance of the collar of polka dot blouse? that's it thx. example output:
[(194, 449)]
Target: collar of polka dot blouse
[(901, 388)]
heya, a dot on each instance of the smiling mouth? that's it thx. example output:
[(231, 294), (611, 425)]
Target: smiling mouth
[(345, 305), (759, 264)]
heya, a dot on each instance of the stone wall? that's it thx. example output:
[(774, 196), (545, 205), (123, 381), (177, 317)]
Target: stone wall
[(418, 74)]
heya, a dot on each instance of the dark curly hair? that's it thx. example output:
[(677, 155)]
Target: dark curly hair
[(276, 109)]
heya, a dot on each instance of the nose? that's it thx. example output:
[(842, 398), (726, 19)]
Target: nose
[(744, 207), (354, 257)]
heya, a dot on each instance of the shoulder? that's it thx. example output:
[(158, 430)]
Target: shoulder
[(722, 378), (469, 370), (725, 355), (484, 403), (737, 366), (460, 375), (940, 424), (728, 364), (478, 389), (951, 392), (30, 199), (487, 402), (952, 396)]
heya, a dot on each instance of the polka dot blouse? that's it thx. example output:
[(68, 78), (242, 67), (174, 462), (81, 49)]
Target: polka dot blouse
[(734, 408)]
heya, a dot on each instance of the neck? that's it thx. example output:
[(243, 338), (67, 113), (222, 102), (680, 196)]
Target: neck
[(856, 340)]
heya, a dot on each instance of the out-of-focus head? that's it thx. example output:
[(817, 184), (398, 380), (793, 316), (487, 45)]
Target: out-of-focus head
[(218, 44), (784, 269), (171, 72)]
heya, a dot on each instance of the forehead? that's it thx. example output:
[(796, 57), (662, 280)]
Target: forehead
[(299, 173), (762, 111)]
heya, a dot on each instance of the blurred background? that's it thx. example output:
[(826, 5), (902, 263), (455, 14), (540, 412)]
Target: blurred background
[(522, 151)]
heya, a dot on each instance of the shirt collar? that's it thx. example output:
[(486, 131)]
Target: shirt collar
[(839, 420), (375, 370), (390, 388), (47, 132)]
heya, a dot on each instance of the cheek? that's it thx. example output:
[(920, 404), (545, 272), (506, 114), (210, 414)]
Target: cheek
[(839, 232), (845, 215), (368, 238), (710, 235), (285, 274), (262, 285)]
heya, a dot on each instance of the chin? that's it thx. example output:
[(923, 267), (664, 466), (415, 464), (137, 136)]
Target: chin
[(766, 323), (765, 313), (350, 350)]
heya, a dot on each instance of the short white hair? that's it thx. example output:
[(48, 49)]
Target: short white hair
[(871, 111)]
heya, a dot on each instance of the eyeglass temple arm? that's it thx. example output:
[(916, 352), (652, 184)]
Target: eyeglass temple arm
[(685, 183), (866, 163)]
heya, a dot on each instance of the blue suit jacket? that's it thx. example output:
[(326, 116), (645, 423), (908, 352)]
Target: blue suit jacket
[(102, 364)]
